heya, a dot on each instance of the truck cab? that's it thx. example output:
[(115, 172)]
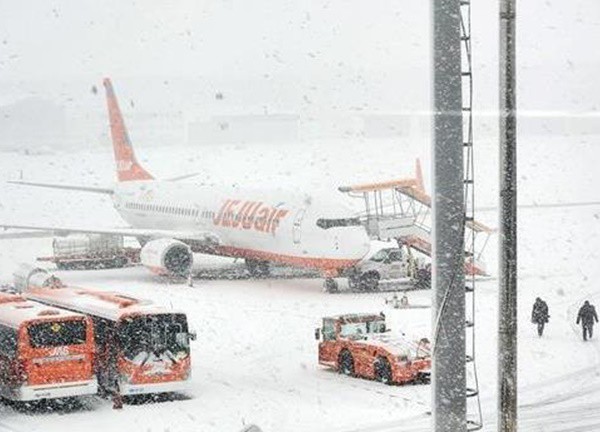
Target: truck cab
[(386, 264), (361, 345)]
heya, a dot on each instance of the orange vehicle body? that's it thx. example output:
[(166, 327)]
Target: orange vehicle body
[(360, 345), (45, 352), (141, 348)]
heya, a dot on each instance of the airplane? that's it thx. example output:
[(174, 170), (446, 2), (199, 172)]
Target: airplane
[(173, 219)]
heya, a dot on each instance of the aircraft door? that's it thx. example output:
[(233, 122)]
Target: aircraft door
[(200, 216), (297, 228)]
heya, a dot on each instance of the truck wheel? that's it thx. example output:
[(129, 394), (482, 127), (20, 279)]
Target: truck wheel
[(121, 261), (383, 370), (369, 281), (422, 279), (353, 283), (346, 363)]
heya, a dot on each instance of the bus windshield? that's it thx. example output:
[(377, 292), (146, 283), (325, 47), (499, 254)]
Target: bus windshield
[(157, 334), (57, 333)]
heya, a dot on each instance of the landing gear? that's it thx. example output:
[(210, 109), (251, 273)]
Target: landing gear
[(258, 268), (331, 286)]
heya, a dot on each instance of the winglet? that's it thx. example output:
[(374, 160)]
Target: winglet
[(128, 168), (419, 176)]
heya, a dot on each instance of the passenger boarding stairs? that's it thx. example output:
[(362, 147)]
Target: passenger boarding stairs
[(401, 210)]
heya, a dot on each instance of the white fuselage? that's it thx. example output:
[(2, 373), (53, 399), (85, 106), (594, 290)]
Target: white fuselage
[(271, 225)]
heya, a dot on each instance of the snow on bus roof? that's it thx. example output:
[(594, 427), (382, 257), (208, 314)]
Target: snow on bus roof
[(16, 310), (356, 316), (108, 305)]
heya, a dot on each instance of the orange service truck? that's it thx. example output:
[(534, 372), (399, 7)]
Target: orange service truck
[(142, 348), (45, 352), (361, 345)]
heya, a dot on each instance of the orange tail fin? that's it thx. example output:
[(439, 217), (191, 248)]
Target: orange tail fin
[(128, 168)]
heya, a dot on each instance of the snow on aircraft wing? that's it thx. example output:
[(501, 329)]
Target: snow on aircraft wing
[(210, 239), (93, 189)]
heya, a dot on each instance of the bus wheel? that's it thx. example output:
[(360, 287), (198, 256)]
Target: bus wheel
[(120, 262), (383, 370), (346, 363)]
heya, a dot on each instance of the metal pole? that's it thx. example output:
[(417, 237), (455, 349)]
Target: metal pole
[(449, 377), (507, 326)]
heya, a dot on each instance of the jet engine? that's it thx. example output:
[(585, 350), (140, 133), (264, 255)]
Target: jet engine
[(167, 257)]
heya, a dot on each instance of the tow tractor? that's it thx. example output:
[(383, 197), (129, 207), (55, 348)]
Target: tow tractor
[(361, 345)]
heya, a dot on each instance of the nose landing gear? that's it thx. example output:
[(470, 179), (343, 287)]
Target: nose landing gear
[(330, 286)]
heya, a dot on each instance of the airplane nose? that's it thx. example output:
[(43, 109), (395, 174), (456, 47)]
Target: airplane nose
[(363, 243)]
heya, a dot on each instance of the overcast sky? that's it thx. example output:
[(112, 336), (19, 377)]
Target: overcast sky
[(285, 54)]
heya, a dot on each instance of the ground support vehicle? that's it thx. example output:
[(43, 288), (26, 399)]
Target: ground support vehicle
[(400, 211), (389, 265), (142, 348), (360, 345), (91, 251), (45, 352)]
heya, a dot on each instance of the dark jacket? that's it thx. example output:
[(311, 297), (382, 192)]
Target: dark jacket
[(539, 314), (587, 315)]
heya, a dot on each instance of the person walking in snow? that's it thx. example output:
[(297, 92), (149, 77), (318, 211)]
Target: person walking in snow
[(587, 316), (539, 315)]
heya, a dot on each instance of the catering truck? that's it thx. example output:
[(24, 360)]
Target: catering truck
[(91, 251)]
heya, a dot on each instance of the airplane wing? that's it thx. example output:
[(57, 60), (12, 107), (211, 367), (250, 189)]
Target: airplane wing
[(64, 187), (24, 235), (183, 177), (205, 237)]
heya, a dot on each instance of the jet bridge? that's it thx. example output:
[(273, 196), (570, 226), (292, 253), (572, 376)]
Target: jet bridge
[(400, 210)]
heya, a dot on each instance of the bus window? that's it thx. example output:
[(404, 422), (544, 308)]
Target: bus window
[(156, 334), (56, 333)]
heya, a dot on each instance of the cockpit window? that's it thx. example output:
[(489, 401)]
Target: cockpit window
[(334, 223)]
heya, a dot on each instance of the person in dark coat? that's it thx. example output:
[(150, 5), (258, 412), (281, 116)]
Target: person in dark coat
[(587, 317), (539, 315)]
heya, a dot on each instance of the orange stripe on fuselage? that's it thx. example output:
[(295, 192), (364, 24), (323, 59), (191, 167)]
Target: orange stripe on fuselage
[(326, 264)]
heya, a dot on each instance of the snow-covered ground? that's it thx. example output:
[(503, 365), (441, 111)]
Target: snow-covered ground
[(255, 360)]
